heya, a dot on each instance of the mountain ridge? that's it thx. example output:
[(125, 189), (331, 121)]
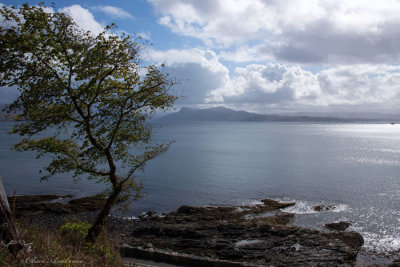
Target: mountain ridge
[(226, 114)]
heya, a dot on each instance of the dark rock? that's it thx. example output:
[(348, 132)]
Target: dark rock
[(267, 205), (323, 208), (37, 204), (56, 208), (187, 210), (148, 245), (242, 236), (352, 239), (395, 263), (36, 198), (274, 205), (338, 226), (95, 202), (148, 214), (283, 219)]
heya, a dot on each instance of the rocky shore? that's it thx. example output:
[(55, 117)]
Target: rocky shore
[(259, 235), (256, 235)]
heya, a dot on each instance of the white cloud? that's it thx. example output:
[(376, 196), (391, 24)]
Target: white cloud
[(290, 86), (270, 84), (357, 84), (83, 17), (199, 72), (302, 31), (243, 54), (259, 87), (114, 12)]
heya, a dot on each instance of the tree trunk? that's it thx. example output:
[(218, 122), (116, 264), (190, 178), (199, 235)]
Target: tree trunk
[(101, 219), (9, 232)]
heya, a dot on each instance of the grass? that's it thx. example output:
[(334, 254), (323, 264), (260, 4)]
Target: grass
[(65, 247)]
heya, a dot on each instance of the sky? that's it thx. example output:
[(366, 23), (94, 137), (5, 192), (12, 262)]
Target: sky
[(265, 56)]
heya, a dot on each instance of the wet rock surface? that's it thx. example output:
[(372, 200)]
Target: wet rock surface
[(37, 204), (259, 235), (33, 205), (395, 263), (337, 226), (323, 208)]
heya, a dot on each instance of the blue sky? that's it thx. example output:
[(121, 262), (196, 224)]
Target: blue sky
[(264, 56)]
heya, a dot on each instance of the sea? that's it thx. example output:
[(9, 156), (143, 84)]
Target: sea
[(353, 167)]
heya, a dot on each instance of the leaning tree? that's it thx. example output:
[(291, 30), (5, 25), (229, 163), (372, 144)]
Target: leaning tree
[(93, 93)]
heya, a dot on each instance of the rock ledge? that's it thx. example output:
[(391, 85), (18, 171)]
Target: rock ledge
[(258, 235)]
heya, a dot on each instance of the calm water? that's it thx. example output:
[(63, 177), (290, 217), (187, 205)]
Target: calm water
[(355, 167)]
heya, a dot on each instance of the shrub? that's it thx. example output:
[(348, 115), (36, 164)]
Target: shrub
[(81, 228)]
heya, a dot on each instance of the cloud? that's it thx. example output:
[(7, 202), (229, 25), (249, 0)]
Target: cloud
[(245, 54), (198, 71), (297, 31), (83, 17), (291, 87), (261, 87), (114, 12), (357, 84), (271, 84)]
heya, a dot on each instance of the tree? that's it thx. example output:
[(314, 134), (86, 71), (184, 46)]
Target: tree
[(91, 91)]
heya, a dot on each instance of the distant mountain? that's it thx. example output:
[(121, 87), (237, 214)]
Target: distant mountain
[(226, 114), (212, 114), (368, 115)]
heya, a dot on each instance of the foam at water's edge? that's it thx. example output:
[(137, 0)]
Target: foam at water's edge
[(301, 207), (382, 243), (124, 217), (386, 244), (251, 203), (341, 208), (305, 207)]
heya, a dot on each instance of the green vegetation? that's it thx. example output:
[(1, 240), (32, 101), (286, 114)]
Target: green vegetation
[(75, 231), (64, 248), (80, 228), (91, 91)]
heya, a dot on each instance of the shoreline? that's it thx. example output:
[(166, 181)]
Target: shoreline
[(164, 228)]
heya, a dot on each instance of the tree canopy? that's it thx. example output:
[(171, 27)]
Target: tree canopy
[(93, 91)]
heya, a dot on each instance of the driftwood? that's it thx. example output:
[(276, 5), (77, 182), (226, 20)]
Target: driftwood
[(8, 231)]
